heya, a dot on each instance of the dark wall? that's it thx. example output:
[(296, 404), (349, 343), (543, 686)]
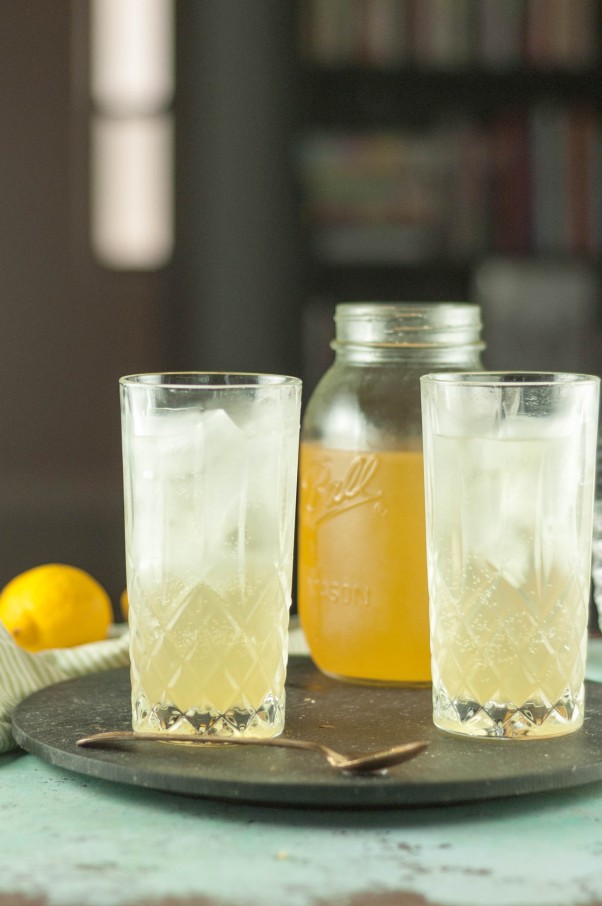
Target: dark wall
[(68, 329), (237, 245)]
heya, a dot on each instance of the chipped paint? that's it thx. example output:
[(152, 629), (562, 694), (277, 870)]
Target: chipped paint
[(17, 899)]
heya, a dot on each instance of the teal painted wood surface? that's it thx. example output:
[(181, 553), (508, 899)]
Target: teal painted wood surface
[(69, 840)]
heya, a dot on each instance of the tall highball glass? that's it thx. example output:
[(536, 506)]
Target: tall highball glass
[(210, 468), (509, 476)]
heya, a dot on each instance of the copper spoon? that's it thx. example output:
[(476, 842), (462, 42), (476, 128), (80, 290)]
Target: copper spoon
[(361, 764)]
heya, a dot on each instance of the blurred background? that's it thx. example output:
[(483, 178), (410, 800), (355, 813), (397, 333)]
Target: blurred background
[(194, 184)]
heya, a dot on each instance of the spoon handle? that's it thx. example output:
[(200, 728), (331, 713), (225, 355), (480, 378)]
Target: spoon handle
[(128, 735)]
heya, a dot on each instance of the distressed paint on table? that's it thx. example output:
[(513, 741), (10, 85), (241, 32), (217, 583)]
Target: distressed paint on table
[(68, 840)]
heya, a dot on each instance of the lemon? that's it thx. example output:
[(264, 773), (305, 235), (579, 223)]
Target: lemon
[(55, 606), (124, 602)]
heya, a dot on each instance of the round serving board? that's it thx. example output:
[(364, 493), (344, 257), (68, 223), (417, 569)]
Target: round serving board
[(349, 718)]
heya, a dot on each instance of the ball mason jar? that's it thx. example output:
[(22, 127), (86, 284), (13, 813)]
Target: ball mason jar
[(362, 580)]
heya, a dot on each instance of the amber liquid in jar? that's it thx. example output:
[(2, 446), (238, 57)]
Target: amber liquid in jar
[(362, 563)]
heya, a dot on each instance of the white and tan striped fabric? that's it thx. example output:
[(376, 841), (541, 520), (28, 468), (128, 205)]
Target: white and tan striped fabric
[(22, 673)]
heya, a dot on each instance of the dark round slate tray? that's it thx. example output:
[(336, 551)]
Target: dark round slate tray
[(350, 718)]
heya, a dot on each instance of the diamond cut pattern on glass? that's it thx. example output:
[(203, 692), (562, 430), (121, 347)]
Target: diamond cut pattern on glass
[(219, 668), (516, 672)]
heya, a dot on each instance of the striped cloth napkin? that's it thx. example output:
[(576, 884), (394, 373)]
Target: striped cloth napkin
[(22, 673)]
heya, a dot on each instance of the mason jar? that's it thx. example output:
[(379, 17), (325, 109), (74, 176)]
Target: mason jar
[(362, 580)]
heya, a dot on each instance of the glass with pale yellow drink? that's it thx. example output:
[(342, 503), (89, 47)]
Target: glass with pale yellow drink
[(509, 466), (210, 468)]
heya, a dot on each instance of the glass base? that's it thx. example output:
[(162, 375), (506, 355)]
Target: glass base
[(264, 722), (500, 720)]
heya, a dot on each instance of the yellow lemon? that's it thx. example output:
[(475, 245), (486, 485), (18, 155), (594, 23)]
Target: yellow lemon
[(125, 603), (55, 606)]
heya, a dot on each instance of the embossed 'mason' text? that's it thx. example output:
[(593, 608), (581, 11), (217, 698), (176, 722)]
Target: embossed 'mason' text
[(326, 496), (340, 592)]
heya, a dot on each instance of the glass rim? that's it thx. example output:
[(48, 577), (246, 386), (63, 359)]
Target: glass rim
[(509, 378), (211, 380)]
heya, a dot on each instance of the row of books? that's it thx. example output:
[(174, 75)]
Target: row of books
[(547, 181), (529, 183), (451, 33)]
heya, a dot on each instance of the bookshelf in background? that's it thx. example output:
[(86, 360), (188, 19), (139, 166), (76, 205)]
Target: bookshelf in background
[(450, 33), (528, 181), (437, 134)]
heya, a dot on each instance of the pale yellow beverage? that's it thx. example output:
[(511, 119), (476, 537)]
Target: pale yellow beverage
[(207, 658), (509, 583), (518, 656), (210, 468)]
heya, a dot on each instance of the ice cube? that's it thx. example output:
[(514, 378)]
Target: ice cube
[(272, 448), (189, 487), (528, 487)]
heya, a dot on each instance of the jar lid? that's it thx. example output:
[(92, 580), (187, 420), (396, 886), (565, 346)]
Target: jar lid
[(422, 324)]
